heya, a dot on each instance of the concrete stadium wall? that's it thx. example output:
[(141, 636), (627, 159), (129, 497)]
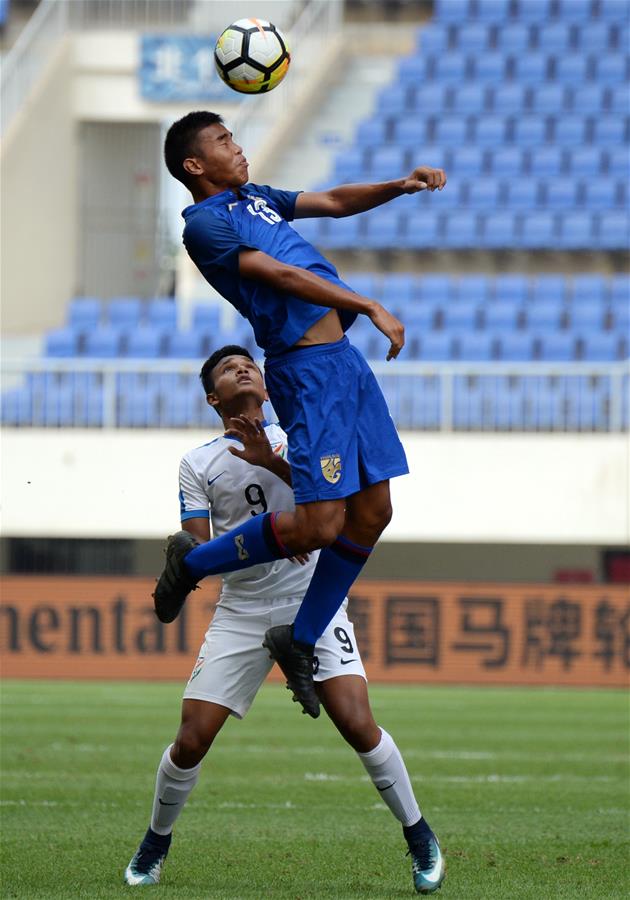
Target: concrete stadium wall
[(539, 489)]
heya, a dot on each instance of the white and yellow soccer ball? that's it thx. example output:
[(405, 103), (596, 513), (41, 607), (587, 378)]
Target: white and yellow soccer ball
[(252, 56)]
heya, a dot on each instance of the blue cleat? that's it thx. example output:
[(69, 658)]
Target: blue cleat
[(427, 864), (146, 864)]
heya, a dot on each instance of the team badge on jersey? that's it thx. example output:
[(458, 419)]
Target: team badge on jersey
[(331, 467), (197, 668)]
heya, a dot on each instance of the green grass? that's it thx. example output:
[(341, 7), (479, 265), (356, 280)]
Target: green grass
[(527, 789)]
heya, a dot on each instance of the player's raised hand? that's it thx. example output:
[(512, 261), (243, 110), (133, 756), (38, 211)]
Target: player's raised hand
[(391, 328), (256, 447), (424, 178)]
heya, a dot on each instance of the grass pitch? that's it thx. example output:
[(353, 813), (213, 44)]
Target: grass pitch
[(527, 790)]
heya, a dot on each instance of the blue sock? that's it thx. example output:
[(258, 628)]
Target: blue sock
[(336, 571), (153, 839), (248, 545), (418, 832)]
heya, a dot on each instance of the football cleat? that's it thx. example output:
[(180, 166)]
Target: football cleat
[(146, 864), (174, 584), (296, 661), (427, 864)]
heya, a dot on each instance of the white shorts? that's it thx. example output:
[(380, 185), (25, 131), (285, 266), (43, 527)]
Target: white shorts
[(232, 662)]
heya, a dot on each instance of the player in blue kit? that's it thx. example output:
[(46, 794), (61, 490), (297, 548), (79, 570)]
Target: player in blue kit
[(343, 444)]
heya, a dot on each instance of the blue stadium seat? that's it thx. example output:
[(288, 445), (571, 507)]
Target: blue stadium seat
[(124, 312), (619, 100), (533, 10), (538, 230), (574, 9), (422, 230), (610, 129), (587, 317), (162, 313), (549, 99), (452, 10), (472, 37), (588, 99), (554, 37), (468, 161), (549, 288), (546, 161), (393, 100), (589, 289), (523, 194), (371, 132), (618, 162), (367, 284), (572, 68), (515, 346), (383, 229), (483, 194), (508, 99), (620, 315), (614, 231), (611, 68), (428, 99), (468, 99), (437, 347), (490, 67), (570, 130), (613, 10), (473, 288), (514, 38), (585, 162), (560, 347), (310, 229), (420, 316), (499, 230), (411, 131), (490, 131), (433, 39), (62, 342), (503, 315), (544, 316), (576, 230), (342, 233), (619, 287), (530, 131), (184, 345), (600, 347), (601, 193), (594, 37), (84, 313), (531, 68), (438, 289), (507, 162), (414, 69), (475, 347), (560, 194), (461, 230), (493, 10), (388, 162), (450, 68), (348, 166), (144, 343), (398, 288), (514, 288), (205, 317), (462, 315), (450, 131), (104, 342)]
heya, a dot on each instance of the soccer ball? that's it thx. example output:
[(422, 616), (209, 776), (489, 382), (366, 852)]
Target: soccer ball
[(252, 56)]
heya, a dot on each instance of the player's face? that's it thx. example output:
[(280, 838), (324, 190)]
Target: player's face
[(237, 380), (218, 159)]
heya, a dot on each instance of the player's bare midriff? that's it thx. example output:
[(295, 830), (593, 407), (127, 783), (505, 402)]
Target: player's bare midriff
[(326, 331)]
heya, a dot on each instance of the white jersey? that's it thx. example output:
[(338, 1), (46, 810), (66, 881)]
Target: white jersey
[(216, 484)]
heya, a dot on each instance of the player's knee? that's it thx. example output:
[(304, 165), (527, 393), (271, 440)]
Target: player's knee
[(314, 532), (191, 745), (359, 730)]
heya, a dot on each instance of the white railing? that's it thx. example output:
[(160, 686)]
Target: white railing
[(495, 397)]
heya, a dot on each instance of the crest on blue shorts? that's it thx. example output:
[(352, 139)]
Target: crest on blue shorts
[(331, 467)]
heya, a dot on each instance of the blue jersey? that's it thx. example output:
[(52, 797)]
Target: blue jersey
[(257, 218)]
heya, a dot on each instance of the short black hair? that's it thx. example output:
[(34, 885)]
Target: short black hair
[(180, 139), (208, 367)]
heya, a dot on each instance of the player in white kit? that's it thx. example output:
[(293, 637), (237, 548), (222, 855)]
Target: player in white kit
[(222, 483)]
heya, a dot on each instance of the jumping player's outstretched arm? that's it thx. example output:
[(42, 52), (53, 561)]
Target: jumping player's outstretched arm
[(302, 283), (349, 199)]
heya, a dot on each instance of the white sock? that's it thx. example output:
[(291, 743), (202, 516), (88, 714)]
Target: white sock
[(386, 768), (172, 787)]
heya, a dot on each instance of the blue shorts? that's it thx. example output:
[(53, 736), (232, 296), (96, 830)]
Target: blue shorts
[(341, 436)]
